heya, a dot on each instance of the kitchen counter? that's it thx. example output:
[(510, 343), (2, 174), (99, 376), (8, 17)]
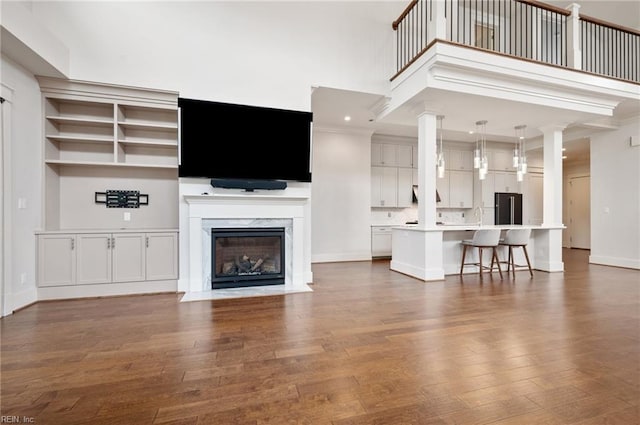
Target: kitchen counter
[(431, 252), (473, 226)]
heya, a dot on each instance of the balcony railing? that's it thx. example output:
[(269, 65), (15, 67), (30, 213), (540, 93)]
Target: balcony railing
[(520, 28)]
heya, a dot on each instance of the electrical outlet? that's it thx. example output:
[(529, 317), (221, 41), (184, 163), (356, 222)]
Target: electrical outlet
[(127, 216), (22, 203), (389, 214), (23, 278)]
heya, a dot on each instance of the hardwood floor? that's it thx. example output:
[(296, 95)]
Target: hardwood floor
[(368, 346)]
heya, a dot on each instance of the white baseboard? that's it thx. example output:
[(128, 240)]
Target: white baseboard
[(629, 263), (334, 258), (418, 273), (106, 290)]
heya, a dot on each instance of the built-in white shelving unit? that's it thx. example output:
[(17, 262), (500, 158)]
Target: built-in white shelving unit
[(100, 137)]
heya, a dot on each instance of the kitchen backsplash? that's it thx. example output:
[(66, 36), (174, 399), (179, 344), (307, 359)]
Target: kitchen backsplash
[(395, 216), (454, 216)]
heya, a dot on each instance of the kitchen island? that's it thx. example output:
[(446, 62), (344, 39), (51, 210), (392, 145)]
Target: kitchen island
[(431, 252)]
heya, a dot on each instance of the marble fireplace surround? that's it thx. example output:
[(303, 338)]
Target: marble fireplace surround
[(238, 210)]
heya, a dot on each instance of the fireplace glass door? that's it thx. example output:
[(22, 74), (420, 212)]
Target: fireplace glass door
[(247, 257)]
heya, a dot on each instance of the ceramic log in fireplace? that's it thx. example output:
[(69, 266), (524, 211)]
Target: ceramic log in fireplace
[(247, 257)]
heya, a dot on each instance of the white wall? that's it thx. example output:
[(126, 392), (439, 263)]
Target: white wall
[(615, 198), (25, 181), (257, 53), (341, 196)]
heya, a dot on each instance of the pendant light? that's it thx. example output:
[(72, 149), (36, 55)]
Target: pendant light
[(480, 160), (519, 157), (440, 151)]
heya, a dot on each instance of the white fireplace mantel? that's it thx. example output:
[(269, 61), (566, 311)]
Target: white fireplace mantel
[(231, 205)]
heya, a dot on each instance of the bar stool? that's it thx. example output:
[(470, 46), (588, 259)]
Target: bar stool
[(482, 238), (514, 238)]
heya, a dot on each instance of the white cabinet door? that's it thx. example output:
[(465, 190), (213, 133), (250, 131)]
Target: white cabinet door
[(442, 186), (506, 182), (376, 185), (384, 186), (389, 155), (488, 216), (405, 187), (501, 160), (56, 260), (128, 253), (161, 256), (381, 241), (456, 159), (404, 156), (533, 199), (93, 258), (414, 156), (384, 154), (488, 189), (460, 189)]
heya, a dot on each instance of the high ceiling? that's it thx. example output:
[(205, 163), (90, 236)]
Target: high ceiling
[(330, 106)]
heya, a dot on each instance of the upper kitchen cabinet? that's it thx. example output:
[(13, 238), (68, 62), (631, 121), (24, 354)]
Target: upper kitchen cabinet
[(506, 182), (391, 187), (384, 187), (500, 160), (458, 159), (391, 155)]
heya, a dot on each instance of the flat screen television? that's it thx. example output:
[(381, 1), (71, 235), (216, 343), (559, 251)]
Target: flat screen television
[(240, 142)]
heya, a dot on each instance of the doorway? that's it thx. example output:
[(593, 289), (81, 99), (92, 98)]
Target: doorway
[(580, 212)]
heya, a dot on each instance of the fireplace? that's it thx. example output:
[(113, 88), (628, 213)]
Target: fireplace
[(247, 257), (225, 209)]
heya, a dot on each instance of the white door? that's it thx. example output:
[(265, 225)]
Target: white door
[(580, 212)]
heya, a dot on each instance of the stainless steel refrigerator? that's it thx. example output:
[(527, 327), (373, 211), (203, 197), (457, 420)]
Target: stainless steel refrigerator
[(508, 208)]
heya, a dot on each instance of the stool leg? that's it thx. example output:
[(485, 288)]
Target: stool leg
[(512, 262), (480, 261), (491, 268), (526, 255), (495, 255), (464, 253)]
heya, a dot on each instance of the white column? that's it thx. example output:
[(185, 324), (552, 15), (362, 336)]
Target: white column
[(552, 186), (548, 241), (574, 49), (418, 252), (427, 136)]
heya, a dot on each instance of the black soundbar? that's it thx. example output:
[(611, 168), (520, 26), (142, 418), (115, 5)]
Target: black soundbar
[(249, 185)]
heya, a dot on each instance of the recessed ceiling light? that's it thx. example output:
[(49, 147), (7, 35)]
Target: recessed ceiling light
[(564, 156), (347, 118), (470, 131)]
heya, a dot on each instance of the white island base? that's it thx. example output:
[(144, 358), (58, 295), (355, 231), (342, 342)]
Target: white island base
[(430, 253)]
